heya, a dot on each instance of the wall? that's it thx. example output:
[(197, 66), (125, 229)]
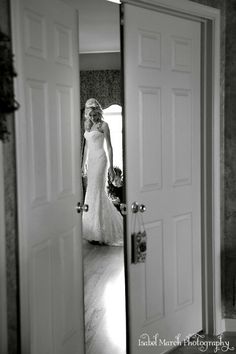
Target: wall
[(100, 61), (100, 77), (230, 161), (104, 85), (9, 167), (98, 26), (3, 295)]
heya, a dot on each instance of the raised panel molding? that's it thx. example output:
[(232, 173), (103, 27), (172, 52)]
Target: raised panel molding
[(68, 294), (63, 45), (39, 147), (154, 273), (182, 137), (149, 49), (182, 237), (150, 120), (181, 54), (65, 151), (41, 298), (35, 34)]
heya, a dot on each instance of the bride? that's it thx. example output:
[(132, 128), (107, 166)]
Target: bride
[(102, 223)]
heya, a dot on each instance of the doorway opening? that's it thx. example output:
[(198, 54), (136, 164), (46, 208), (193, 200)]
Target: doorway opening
[(103, 266)]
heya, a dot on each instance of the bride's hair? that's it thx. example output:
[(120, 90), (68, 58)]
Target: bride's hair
[(92, 105)]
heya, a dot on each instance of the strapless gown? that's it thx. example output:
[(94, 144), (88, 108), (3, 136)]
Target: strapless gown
[(102, 222)]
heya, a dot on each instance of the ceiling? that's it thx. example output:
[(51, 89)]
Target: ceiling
[(98, 26)]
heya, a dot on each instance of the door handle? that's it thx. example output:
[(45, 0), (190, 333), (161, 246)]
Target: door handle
[(142, 208), (80, 208), (138, 239), (135, 207), (123, 208)]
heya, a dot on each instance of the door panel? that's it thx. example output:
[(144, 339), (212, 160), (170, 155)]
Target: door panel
[(162, 108), (49, 170)]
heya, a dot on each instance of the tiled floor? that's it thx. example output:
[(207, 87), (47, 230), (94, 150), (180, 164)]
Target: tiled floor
[(227, 345)]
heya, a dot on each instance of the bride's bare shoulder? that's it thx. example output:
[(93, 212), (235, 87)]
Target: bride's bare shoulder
[(104, 126)]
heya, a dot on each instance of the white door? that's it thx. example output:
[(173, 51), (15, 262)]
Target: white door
[(162, 121), (48, 143)]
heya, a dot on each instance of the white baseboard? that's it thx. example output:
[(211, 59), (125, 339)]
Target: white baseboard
[(230, 325)]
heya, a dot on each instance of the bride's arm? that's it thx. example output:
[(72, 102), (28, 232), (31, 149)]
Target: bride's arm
[(84, 161), (107, 135)]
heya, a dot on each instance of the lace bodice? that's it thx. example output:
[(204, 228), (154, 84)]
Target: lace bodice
[(95, 140)]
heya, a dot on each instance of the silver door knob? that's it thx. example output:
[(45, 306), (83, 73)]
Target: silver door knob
[(123, 208), (135, 207), (142, 208), (80, 208)]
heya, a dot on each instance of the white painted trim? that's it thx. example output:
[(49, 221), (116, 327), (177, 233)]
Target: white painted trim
[(211, 186), (99, 51), (3, 280), (178, 6), (186, 8), (205, 273), (216, 192)]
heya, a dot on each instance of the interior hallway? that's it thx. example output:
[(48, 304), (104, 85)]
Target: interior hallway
[(104, 297)]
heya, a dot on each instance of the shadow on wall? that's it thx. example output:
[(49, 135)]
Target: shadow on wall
[(229, 283)]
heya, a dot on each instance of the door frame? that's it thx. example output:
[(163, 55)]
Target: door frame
[(210, 153)]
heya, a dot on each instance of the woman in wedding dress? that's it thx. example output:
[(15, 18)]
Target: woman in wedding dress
[(102, 223)]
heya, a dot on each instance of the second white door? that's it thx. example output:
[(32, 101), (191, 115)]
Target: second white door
[(162, 106)]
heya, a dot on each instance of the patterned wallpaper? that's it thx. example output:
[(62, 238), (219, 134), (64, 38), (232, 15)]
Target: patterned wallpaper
[(104, 85), (230, 163)]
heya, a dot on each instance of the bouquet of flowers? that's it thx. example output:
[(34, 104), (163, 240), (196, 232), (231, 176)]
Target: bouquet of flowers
[(115, 187)]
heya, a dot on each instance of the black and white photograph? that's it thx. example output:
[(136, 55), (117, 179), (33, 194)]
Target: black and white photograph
[(117, 176)]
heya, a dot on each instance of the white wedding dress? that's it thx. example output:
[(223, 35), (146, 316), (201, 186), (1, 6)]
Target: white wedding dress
[(102, 222)]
